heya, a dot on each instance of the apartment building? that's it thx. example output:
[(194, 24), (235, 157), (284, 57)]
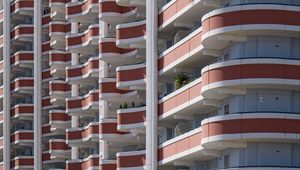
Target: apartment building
[(150, 84)]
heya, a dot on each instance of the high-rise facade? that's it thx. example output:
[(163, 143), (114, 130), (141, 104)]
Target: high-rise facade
[(150, 84)]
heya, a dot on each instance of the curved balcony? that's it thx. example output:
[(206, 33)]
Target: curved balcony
[(187, 53), (22, 111), (219, 29), (21, 7), (22, 59), (59, 120), (108, 131), (109, 92), (22, 85), (86, 73), (22, 32), (84, 42), (84, 135), (110, 53), (234, 76), (111, 13), (46, 103), (108, 164), (46, 19), (59, 149), (22, 162), (59, 90), (46, 47), (47, 131), (48, 159), (185, 146), (86, 105), (131, 35), (22, 137), (218, 131), (89, 163), (131, 77), (59, 60), (46, 75), (133, 159), (85, 11), (181, 13), (57, 33), (58, 9), (132, 118), (131, 2)]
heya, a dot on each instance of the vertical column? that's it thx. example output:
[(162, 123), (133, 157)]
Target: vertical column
[(103, 108), (74, 87), (6, 84), (37, 85), (151, 85)]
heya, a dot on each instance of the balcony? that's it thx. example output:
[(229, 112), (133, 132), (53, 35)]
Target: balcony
[(57, 33), (110, 53), (22, 32), (183, 147), (108, 164), (186, 53), (59, 90), (181, 13), (58, 62), (131, 35), (86, 73), (133, 159), (22, 85), (131, 118), (91, 162), (219, 132), (22, 162), (108, 131), (22, 137), (58, 9), (46, 48), (59, 120), (131, 3), (85, 11), (47, 104), (132, 77), (22, 111), (47, 131), (84, 135), (84, 42), (253, 20), (183, 101), (48, 160), (46, 75), (111, 13), (109, 92), (46, 19), (22, 59), (235, 76), (59, 148), (86, 105), (19, 8)]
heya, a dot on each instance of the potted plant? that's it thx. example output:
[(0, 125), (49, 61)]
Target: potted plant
[(181, 80)]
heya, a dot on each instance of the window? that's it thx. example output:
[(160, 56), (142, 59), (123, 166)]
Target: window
[(226, 161), (226, 109)]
